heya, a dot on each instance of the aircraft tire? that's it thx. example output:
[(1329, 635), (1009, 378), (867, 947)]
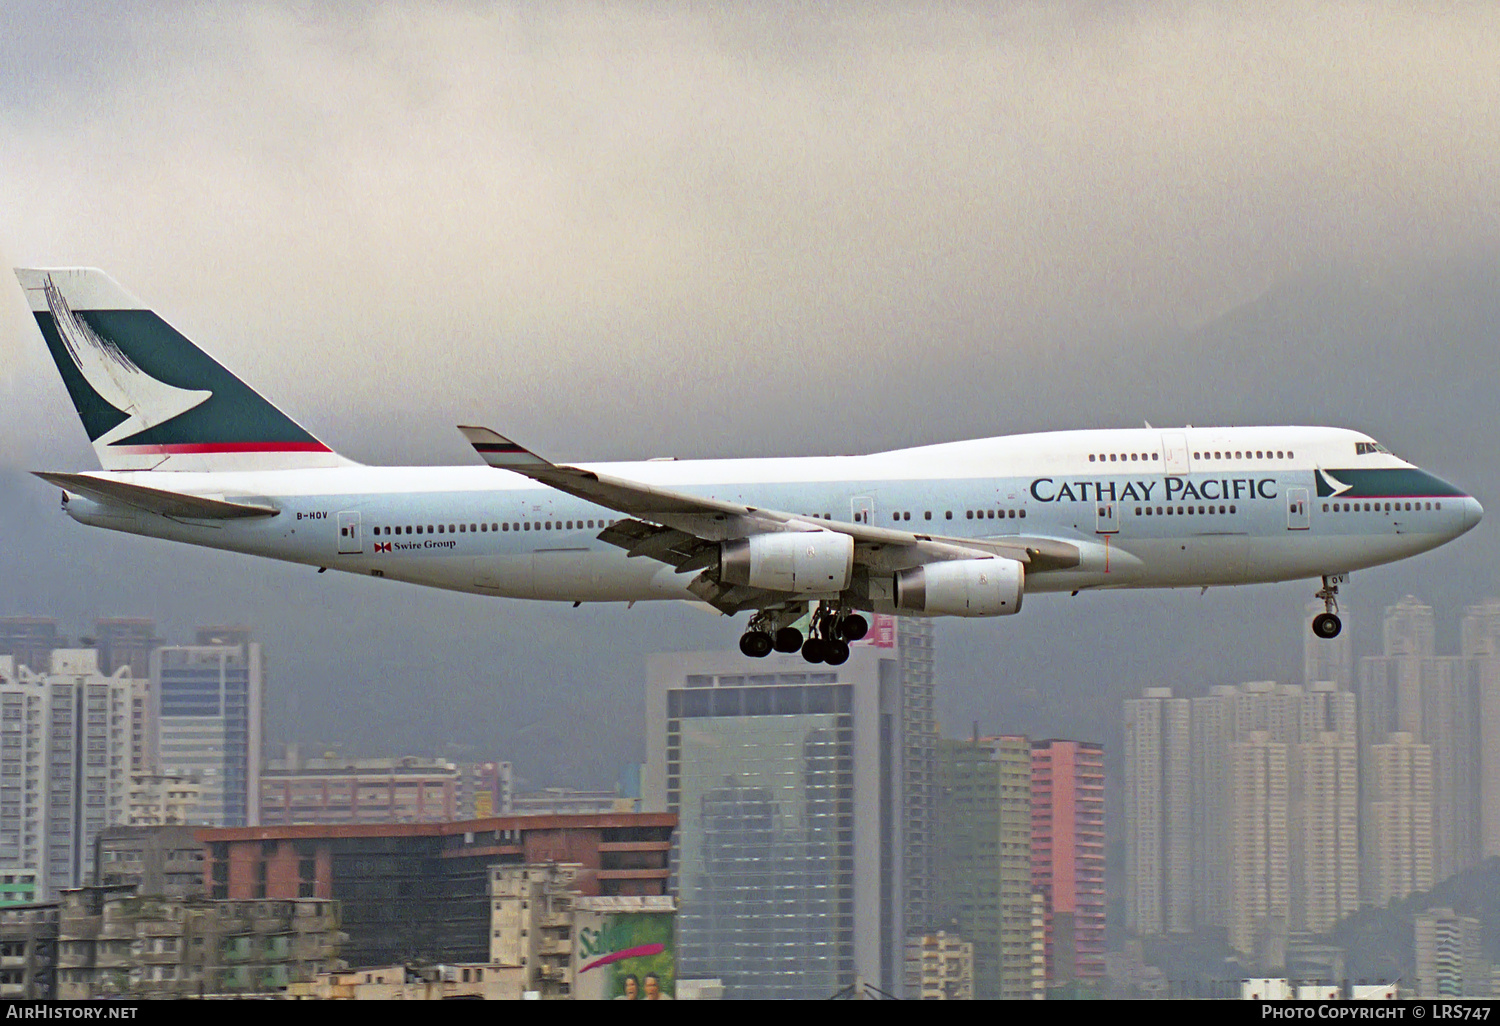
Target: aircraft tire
[(853, 627), (1327, 625), (814, 650), (755, 644), (836, 653), (788, 639)]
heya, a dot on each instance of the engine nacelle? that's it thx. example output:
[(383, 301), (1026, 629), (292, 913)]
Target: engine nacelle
[(803, 562), (962, 587)]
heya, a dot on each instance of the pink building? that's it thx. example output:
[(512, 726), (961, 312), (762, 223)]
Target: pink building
[(1067, 854)]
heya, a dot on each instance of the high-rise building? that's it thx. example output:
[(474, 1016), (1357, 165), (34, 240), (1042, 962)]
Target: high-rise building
[(484, 789), (29, 640), (1067, 855), (1212, 731), (1158, 814), (1260, 853), (1398, 860), (126, 641), (1450, 956), (1481, 646), (1438, 701), (919, 798), (1272, 805), (786, 780), (983, 886), (1324, 808), (939, 968), (208, 701), (296, 789), (64, 765)]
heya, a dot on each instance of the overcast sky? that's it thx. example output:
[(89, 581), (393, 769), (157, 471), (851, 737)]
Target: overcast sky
[(620, 231)]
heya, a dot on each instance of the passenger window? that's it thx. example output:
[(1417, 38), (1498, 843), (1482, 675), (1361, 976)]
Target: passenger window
[(1133, 457), (895, 516), (1138, 511), (905, 515), (968, 514), (1023, 514), (1195, 456), (950, 515), (505, 527), (927, 515), (1091, 457), (1011, 515)]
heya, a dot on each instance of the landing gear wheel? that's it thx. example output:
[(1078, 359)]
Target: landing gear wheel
[(788, 639), (853, 627), (835, 653), (755, 644), (1327, 625), (814, 650)]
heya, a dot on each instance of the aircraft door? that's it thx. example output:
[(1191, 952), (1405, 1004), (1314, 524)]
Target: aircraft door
[(1298, 512), (349, 537), (862, 509), (1106, 516), (1174, 454)]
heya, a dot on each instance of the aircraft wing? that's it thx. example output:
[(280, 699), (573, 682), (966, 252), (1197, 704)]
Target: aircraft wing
[(177, 505), (684, 530)]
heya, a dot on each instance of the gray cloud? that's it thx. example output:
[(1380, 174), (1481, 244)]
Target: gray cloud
[(544, 204)]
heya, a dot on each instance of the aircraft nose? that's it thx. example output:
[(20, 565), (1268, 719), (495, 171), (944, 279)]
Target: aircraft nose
[(1473, 512)]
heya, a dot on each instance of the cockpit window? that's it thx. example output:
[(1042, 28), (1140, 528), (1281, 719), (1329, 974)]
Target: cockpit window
[(1366, 448)]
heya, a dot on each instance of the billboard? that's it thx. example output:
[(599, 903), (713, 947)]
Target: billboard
[(882, 633), (625, 956)]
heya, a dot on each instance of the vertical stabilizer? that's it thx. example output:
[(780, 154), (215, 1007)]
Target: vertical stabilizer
[(148, 398)]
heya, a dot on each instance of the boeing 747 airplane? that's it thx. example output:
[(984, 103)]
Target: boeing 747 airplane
[(192, 454)]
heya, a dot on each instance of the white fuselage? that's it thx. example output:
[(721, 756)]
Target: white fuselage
[(1145, 508)]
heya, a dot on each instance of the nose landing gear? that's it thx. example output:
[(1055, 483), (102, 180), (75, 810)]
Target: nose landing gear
[(1327, 625)]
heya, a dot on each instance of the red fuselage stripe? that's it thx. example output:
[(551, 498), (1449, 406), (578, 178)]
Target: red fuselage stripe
[(184, 447)]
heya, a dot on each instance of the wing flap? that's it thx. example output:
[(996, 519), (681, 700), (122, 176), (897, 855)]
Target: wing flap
[(177, 505)]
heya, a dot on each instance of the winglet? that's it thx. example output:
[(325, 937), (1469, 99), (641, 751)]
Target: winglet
[(499, 451)]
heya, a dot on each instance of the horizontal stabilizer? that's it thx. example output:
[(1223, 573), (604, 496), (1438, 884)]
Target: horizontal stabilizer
[(155, 500)]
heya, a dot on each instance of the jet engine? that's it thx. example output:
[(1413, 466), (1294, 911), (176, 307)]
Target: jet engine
[(962, 587), (803, 562)]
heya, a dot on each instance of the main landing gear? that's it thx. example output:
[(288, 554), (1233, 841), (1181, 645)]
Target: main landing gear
[(1327, 625), (829, 631)]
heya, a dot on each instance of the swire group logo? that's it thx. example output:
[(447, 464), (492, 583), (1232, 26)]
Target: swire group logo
[(382, 546)]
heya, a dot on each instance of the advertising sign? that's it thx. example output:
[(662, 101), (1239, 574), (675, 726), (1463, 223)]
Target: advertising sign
[(625, 956)]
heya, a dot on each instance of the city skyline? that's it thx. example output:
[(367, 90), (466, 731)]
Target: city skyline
[(1330, 260)]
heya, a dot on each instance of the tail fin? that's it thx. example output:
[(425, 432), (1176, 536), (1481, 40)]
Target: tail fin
[(148, 398)]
